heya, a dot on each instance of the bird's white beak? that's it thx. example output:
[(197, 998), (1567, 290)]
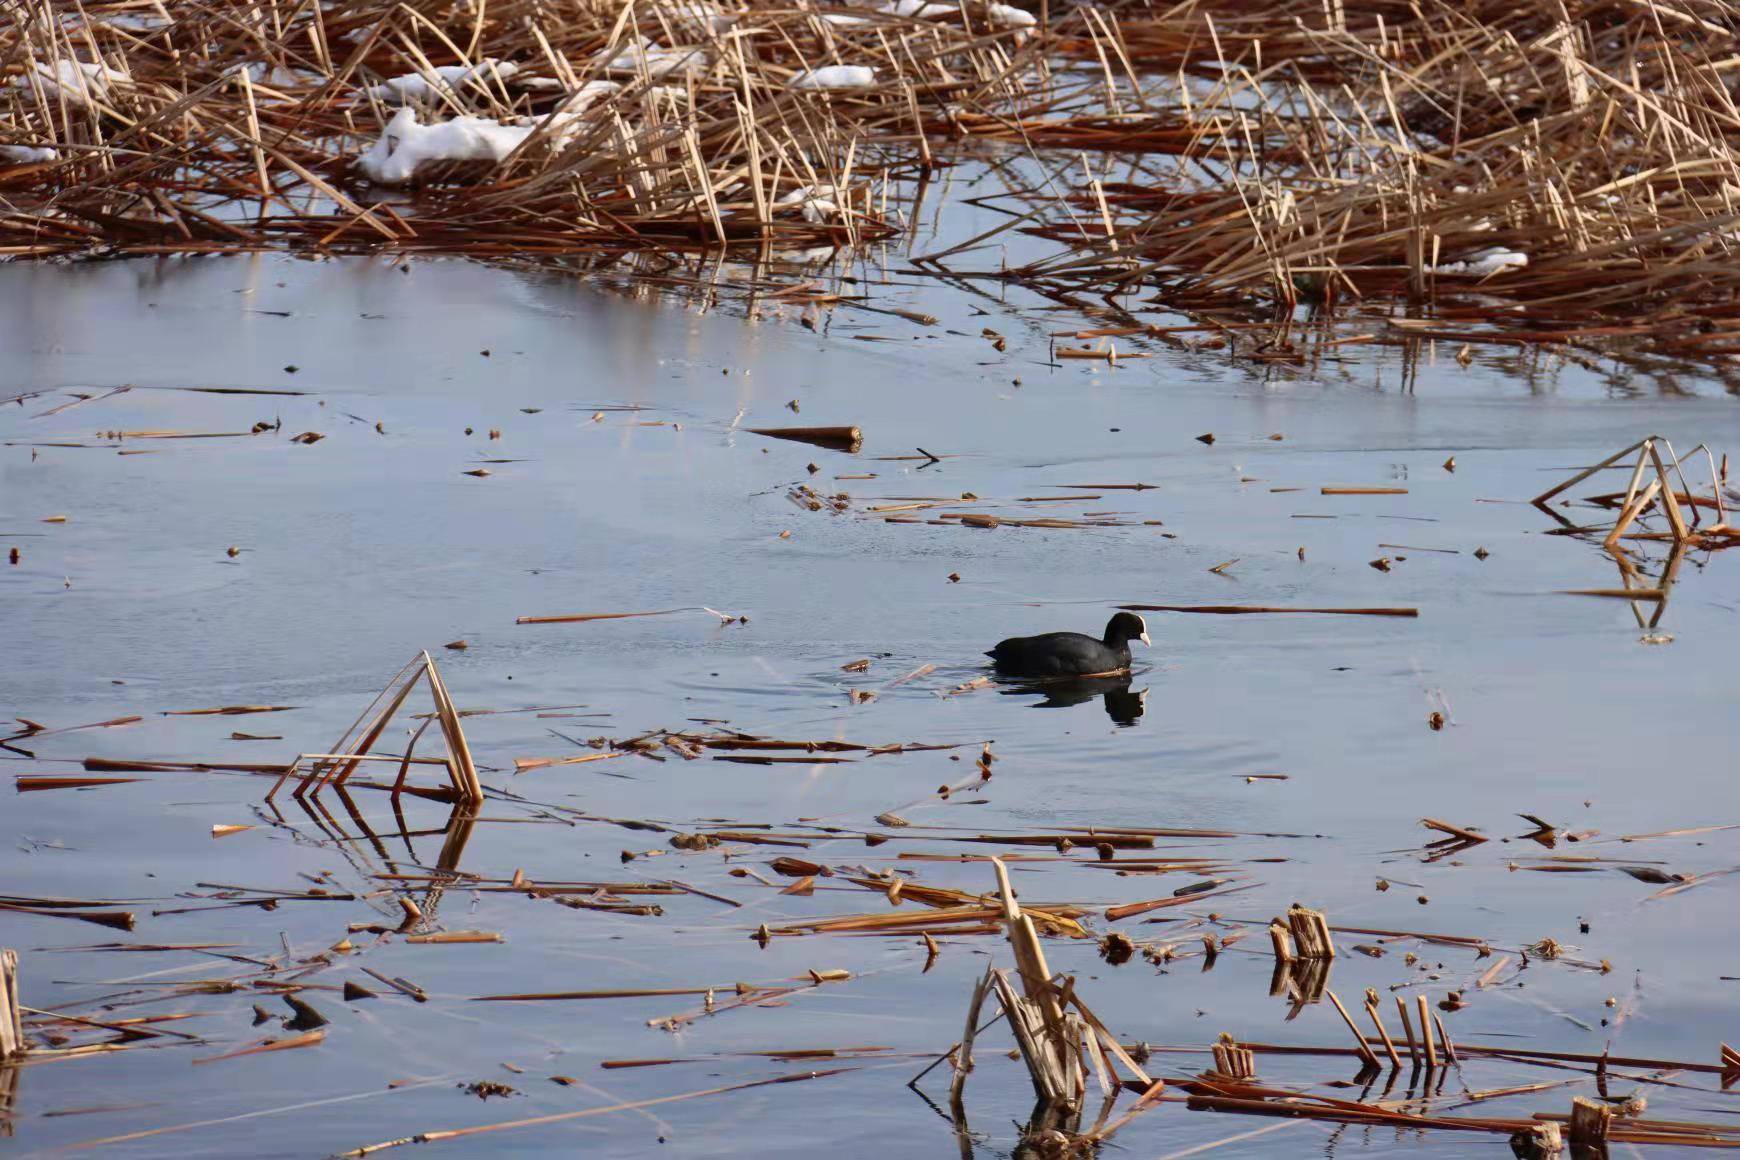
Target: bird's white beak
[(1144, 639)]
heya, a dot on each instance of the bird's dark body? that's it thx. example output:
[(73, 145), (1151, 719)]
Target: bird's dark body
[(1060, 654), (1055, 655)]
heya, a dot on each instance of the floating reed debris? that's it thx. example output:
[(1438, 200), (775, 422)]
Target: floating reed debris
[(834, 438), (115, 919), (32, 783), (1458, 834), (1253, 609), (307, 1039), (582, 617), (457, 936)]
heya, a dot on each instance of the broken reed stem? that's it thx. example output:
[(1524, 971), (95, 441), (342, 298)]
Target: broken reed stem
[(465, 776), (12, 1042), (1050, 1041), (1408, 1030), (1365, 1052), (962, 1059), (1426, 1032), (1371, 1010), (1444, 1039)]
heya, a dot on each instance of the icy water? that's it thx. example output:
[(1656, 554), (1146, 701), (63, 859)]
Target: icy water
[(625, 480)]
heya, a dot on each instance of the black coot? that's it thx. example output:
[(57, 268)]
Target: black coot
[(1071, 654)]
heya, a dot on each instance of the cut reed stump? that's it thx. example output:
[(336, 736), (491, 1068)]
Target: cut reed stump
[(12, 1044), (1310, 933), (1232, 1061), (1590, 1122), (1282, 940), (1537, 1142)]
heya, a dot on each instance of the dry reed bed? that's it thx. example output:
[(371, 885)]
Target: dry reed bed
[(1545, 174), (1560, 173), (675, 123)]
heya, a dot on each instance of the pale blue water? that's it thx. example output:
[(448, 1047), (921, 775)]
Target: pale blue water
[(362, 549)]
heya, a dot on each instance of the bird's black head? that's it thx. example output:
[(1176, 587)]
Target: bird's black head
[(1126, 627)]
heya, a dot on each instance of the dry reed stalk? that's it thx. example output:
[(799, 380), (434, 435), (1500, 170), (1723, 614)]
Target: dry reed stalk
[(1514, 1055), (1407, 1030), (1492, 972), (1426, 1031), (29, 783), (457, 936), (1050, 1041), (1363, 491), (335, 768), (1372, 1013), (465, 775), (583, 617), (956, 920), (1366, 1054), (961, 1060), (1345, 1112), (522, 764), (308, 1039), (1660, 491), (1130, 910), (1444, 1038)]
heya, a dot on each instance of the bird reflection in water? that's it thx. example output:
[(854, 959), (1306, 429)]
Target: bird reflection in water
[(1124, 705)]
